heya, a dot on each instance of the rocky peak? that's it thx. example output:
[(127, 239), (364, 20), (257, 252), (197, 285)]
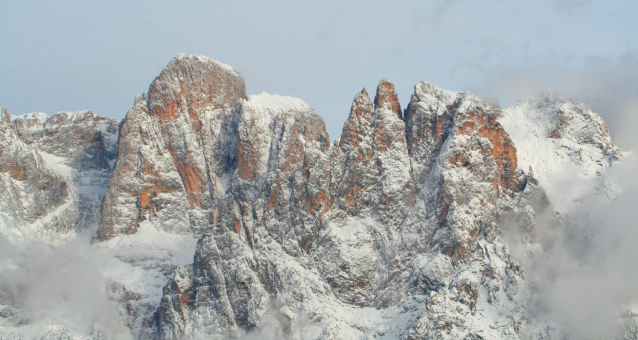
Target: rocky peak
[(190, 84), (180, 140), (29, 126), (86, 140), (572, 120), (387, 97), (4, 115), (428, 120), (391, 233), (359, 122), (372, 144), (372, 192), (82, 145), (560, 137), (463, 160)]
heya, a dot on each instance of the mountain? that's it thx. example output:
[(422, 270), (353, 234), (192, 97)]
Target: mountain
[(219, 214)]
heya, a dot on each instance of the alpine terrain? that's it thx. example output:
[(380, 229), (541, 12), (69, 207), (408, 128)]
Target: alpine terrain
[(208, 213)]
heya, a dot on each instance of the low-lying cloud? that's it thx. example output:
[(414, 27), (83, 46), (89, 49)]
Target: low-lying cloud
[(61, 284), (586, 274), (585, 277)]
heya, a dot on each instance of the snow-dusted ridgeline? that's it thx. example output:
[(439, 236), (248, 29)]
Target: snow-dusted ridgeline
[(230, 215)]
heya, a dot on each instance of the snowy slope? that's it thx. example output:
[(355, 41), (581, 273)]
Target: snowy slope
[(565, 144)]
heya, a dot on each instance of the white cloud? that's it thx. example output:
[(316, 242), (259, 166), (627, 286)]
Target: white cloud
[(61, 284)]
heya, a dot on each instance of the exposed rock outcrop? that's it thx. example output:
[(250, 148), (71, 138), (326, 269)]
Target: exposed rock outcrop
[(82, 146), (379, 238), (254, 224), (176, 142), (35, 201)]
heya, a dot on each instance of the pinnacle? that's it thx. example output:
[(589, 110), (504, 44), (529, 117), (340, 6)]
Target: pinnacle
[(4, 115), (387, 97), (362, 97)]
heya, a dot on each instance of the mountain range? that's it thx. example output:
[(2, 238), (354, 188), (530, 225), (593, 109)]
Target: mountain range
[(210, 213)]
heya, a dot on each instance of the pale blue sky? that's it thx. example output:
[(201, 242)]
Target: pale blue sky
[(78, 55)]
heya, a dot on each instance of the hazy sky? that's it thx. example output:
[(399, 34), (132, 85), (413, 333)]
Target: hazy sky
[(78, 55)]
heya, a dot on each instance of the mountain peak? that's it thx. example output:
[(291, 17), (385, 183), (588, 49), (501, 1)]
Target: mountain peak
[(192, 84), (387, 97), (199, 59), (245, 216), (4, 115)]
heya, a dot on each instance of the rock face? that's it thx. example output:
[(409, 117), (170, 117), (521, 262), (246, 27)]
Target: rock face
[(464, 158), (397, 208), (175, 145), (275, 204), (62, 165), (80, 145), (35, 201), (393, 231), (372, 191)]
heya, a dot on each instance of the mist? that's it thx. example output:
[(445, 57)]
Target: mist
[(585, 276), (60, 285)]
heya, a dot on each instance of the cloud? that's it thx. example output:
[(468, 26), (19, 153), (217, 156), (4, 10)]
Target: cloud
[(60, 283), (607, 86), (583, 275), (586, 273)]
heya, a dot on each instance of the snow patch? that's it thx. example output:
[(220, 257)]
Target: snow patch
[(41, 116), (274, 101), (57, 164), (566, 169)]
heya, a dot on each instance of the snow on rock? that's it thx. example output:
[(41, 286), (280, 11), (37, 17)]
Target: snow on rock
[(35, 201), (274, 101), (564, 144), (230, 215), (80, 146), (176, 142), (378, 242), (56, 173)]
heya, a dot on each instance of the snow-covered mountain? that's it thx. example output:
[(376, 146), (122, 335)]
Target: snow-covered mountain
[(216, 214)]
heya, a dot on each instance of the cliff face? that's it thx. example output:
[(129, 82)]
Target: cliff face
[(36, 201), (175, 149), (393, 231), (274, 207), (62, 165), (398, 206)]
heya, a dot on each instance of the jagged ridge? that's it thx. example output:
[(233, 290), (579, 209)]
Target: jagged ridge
[(391, 232)]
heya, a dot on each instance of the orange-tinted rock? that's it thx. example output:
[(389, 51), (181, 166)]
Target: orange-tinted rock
[(480, 165), (387, 97), (373, 143), (502, 149), (272, 202), (319, 203), (191, 178), (359, 122), (246, 161), (194, 83), (16, 172)]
